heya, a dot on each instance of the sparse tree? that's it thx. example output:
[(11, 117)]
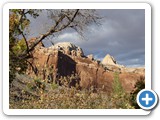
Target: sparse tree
[(76, 19)]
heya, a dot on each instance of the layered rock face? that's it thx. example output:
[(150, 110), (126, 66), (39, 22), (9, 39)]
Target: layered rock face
[(65, 59)]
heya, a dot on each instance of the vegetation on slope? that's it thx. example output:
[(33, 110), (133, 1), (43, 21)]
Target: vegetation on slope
[(29, 93)]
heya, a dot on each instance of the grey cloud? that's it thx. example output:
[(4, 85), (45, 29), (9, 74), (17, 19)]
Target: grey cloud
[(122, 34)]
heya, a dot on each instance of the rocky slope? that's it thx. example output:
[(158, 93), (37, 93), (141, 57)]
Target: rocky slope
[(65, 59)]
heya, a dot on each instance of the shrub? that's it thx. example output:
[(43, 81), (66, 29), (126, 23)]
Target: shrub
[(117, 87), (39, 84), (53, 96), (119, 98), (70, 81), (140, 84), (54, 86)]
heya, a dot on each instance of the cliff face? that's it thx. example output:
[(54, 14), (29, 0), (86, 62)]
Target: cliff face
[(65, 59)]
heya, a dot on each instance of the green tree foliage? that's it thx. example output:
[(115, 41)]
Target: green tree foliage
[(18, 23), (119, 98), (140, 84), (117, 87)]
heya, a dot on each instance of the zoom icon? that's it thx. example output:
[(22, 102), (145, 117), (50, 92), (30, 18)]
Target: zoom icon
[(147, 99)]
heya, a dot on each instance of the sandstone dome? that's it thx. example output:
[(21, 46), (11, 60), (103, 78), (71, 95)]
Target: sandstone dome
[(68, 48), (66, 45)]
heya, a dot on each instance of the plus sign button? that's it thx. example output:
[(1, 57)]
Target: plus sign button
[(147, 99)]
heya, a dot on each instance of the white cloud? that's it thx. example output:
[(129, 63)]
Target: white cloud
[(68, 36)]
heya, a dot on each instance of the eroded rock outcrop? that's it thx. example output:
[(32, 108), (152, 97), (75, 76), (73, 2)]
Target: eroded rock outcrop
[(109, 60), (111, 64), (65, 59), (68, 49)]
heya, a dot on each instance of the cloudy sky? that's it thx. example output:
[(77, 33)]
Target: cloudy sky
[(121, 34)]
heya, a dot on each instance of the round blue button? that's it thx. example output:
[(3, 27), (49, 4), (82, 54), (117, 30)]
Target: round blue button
[(147, 99)]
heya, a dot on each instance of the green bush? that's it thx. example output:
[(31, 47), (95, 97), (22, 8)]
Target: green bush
[(117, 87), (54, 86), (140, 84), (119, 98)]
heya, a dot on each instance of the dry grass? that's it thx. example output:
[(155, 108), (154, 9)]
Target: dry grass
[(38, 94)]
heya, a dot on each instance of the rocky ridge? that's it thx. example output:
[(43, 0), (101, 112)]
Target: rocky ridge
[(65, 59), (111, 64)]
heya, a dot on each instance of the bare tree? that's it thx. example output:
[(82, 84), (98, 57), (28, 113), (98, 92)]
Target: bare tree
[(76, 19), (62, 19)]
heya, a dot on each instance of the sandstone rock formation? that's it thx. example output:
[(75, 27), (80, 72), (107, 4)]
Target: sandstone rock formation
[(65, 59), (139, 70), (109, 60), (110, 64), (90, 57), (68, 49)]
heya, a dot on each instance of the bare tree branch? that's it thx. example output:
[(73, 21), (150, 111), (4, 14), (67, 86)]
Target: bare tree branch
[(53, 30), (63, 19)]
